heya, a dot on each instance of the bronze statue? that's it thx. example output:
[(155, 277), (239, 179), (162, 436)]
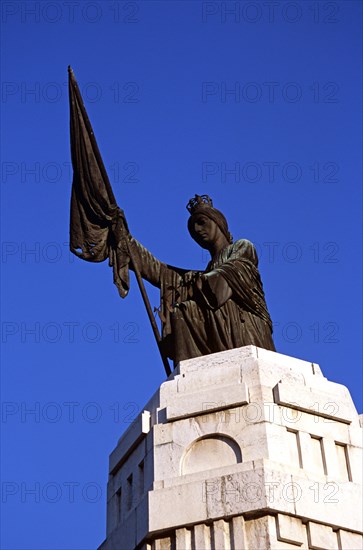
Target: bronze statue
[(218, 309)]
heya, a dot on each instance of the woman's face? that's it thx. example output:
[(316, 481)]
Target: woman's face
[(204, 231)]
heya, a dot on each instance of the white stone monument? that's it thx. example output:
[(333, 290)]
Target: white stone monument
[(245, 449)]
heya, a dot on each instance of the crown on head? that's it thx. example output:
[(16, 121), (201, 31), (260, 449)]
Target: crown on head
[(199, 201)]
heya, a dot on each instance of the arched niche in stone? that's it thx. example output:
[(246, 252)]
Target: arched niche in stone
[(209, 452)]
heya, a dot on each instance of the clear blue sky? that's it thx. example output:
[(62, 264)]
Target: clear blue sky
[(180, 94)]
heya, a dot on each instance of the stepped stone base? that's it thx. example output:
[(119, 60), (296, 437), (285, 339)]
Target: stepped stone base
[(245, 449)]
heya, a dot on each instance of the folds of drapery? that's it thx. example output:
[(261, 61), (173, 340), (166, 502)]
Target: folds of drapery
[(245, 281), (240, 269), (93, 205), (187, 317)]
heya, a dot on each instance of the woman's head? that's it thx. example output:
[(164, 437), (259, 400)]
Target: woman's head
[(201, 211)]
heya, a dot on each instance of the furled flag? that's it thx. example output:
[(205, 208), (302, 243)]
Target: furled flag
[(93, 205), (94, 211)]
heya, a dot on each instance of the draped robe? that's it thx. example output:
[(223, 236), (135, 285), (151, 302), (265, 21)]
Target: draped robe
[(198, 322)]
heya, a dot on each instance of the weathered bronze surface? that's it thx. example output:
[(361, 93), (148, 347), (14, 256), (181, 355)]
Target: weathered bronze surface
[(218, 309)]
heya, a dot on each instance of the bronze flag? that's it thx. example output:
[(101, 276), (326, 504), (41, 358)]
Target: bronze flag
[(93, 205), (94, 209)]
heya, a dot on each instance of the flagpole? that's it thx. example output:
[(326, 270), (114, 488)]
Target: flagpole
[(134, 266), (146, 301)]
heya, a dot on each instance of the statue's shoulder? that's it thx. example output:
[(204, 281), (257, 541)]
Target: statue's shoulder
[(244, 248), (243, 241), (242, 244)]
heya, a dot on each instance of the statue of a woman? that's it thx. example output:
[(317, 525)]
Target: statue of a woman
[(218, 309)]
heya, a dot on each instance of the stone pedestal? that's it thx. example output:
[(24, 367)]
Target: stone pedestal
[(245, 449)]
